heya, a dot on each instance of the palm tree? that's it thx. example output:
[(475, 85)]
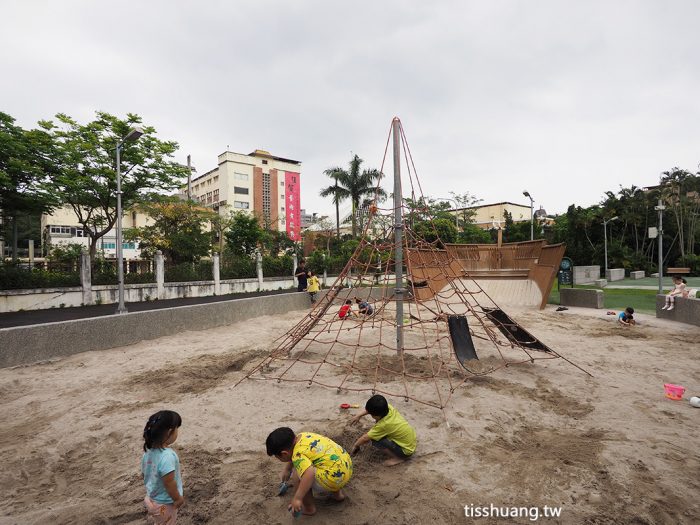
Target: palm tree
[(354, 185), (338, 193)]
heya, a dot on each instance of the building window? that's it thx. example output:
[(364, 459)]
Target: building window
[(216, 195), (240, 191), (282, 208), (209, 198), (264, 162), (240, 176), (266, 196), (281, 195), (61, 229), (282, 183), (242, 205), (216, 178)]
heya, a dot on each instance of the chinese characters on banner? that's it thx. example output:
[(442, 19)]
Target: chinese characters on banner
[(292, 208)]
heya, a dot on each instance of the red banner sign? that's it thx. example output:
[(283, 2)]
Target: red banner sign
[(292, 206)]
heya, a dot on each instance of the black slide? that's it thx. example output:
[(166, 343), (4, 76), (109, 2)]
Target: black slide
[(461, 338), (513, 331)]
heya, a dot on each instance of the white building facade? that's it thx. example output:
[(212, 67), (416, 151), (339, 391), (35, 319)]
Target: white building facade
[(258, 183)]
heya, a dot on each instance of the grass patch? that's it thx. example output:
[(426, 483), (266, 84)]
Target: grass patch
[(643, 301)]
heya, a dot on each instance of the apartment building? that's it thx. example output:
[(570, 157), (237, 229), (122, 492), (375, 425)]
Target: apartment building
[(489, 216), (258, 183), (62, 227)]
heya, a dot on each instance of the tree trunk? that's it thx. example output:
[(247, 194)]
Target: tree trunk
[(354, 219), (93, 247), (337, 220), (14, 238)]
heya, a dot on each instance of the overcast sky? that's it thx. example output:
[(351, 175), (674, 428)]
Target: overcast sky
[(567, 99)]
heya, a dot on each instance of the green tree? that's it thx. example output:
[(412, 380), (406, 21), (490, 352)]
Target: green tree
[(465, 207), (244, 235), (680, 190), (337, 192), (26, 163), (87, 178), (178, 230), (356, 185), (441, 229)]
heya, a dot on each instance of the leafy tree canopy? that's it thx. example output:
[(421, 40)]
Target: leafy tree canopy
[(179, 230), (86, 179)]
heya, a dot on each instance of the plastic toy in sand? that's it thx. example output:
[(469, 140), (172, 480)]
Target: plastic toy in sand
[(695, 401), (345, 406), (674, 392)]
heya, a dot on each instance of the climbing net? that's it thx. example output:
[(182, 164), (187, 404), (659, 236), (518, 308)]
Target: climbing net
[(360, 352)]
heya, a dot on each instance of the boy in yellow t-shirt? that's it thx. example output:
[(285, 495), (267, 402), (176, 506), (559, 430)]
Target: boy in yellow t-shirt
[(392, 433), (320, 466), (313, 286)]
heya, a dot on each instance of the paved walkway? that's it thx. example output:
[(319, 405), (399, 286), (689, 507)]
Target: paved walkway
[(53, 315)]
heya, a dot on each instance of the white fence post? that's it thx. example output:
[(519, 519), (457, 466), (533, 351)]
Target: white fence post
[(86, 277), (160, 275), (217, 274)]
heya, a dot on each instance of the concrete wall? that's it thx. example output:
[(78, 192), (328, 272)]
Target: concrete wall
[(586, 274), (684, 310), (580, 297), (28, 344), (16, 300)]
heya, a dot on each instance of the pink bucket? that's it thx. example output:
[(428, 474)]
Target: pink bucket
[(674, 392)]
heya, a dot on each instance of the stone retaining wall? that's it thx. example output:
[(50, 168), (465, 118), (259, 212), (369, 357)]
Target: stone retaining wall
[(28, 344), (684, 310), (581, 297)]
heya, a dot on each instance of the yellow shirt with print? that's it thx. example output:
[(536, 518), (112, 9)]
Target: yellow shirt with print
[(313, 285), (333, 464), (397, 429)]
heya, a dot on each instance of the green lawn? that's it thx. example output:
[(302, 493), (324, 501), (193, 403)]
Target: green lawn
[(618, 299)]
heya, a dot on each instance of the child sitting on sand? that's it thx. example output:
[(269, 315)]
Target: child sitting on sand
[(160, 467), (627, 317), (364, 307), (392, 433), (346, 310), (321, 466)]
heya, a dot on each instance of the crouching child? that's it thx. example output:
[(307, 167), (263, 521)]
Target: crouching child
[(391, 432), (318, 466)]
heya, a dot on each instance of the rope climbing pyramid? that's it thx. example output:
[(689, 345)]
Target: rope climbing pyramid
[(418, 327)]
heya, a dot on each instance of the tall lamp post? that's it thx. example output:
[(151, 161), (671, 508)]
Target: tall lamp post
[(134, 134), (605, 241), (532, 214), (660, 208)]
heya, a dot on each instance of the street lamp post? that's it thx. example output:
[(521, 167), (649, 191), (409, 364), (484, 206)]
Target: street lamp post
[(605, 241), (133, 135), (660, 208), (532, 214)]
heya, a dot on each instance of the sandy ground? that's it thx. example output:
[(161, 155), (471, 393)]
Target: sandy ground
[(607, 449)]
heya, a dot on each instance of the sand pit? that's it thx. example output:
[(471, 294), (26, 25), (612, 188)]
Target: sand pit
[(607, 449)]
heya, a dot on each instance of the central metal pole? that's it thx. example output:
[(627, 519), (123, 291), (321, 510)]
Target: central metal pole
[(660, 207), (398, 237), (121, 309)]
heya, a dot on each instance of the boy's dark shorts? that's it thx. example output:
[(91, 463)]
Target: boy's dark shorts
[(392, 446)]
